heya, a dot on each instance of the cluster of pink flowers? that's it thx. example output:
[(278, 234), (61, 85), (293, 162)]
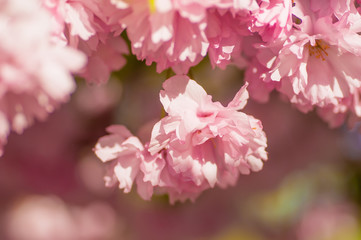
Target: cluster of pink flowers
[(179, 34), (199, 144), (316, 64), (308, 50)]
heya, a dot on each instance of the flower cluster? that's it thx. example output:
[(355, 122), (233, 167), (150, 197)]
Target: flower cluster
[(199, 144), (316, 65), (179, 34)]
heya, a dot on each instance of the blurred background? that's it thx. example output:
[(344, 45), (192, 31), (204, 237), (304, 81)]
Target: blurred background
[(52, 187)]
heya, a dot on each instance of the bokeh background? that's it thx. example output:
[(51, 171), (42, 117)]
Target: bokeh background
[(52, 187)]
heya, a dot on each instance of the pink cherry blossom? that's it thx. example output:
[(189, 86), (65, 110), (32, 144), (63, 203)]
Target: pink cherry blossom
[(123, 151), (41, 217), (199, 145), (178, 34), (129, 163), (92, 27), (317, 65), (225, 34), (273, 19), (207, 144), (156, 30), (35, 72)]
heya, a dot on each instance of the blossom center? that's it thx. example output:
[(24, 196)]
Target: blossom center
[(319, 49)]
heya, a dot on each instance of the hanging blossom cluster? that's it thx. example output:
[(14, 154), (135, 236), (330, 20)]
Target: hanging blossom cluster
[(316, 65), (179, 34), (307, 50), (199, 144)]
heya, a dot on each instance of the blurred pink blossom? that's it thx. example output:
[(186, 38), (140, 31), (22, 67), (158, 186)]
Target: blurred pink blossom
[(48, 217), (178, 34), (35, 71), (328, 221)]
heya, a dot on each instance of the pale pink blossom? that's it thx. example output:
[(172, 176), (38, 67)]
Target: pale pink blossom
[(157, 34), (329, 7), (199, 145), (205, 143), (316, 67), (179, 34), (225, 32), (273, 19), (123, 151), (48, 217), (128, 162), (228, 22), (259, 86), (35, 72), (229, 25), (92, 27)]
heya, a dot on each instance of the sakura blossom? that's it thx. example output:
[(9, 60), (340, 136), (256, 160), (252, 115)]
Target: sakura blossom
[(199, 145), (48, 217), (316, 67), (156, 30), (126, 150), (225, 37), (207, 143), (93, 28), (179, 34), (35, 72), (274, 19)]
